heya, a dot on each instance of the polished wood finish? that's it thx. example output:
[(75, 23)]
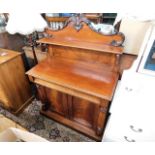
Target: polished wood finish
[(126, 60), (66, 90), (77, 80), (15, 92), (68, 73), (81, 44)]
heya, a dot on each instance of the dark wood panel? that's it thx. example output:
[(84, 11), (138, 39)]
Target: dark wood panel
[(57, 101), (89, 56), (103, 112), (80, 76), (53, 100), (84, 112)]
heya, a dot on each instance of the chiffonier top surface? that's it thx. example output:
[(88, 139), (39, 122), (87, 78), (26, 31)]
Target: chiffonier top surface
[(81, 76), (6, 55)]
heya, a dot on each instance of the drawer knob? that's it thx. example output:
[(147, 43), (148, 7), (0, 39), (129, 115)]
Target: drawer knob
[(135, 130), (128, 89), (126, 138)]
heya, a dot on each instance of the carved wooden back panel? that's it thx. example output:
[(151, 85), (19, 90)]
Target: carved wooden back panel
[(80, 29), (79, 41)]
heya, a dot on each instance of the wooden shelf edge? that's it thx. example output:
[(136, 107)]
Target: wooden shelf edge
[(73, 44)]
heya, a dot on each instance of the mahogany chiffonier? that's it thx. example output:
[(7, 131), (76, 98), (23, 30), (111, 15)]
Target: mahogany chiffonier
[(15, 91), (77, 80)]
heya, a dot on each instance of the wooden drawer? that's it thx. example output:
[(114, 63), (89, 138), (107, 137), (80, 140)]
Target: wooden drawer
[(131, 129)]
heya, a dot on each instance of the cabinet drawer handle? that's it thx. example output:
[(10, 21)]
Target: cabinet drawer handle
[(128, 89), (126, 138), (135, 130)]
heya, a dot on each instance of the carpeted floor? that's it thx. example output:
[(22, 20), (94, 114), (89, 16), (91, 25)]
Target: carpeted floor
[(36, 123)]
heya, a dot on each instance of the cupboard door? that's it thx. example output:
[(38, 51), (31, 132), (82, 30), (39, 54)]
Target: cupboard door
[(83, 112), (53, 100), (57, 101)]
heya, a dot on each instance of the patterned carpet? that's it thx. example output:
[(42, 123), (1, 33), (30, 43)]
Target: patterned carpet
[(36, 123)]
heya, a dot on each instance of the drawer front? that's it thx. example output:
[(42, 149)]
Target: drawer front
[(129, 129), (126, 98), (142, 127), (115, 130)]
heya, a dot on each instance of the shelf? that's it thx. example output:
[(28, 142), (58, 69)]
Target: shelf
[(82, 45)]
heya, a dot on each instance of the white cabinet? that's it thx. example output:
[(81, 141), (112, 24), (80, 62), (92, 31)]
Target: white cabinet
[(132, 110)]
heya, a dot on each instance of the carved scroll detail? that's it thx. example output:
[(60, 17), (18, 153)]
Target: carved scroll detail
[(78, 21), (118, 43)]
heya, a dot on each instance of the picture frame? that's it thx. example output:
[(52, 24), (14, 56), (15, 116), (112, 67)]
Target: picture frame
[(147, 63)]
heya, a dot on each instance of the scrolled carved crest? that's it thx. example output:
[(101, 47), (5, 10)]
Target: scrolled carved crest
[(78, 21), (118, 43)]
